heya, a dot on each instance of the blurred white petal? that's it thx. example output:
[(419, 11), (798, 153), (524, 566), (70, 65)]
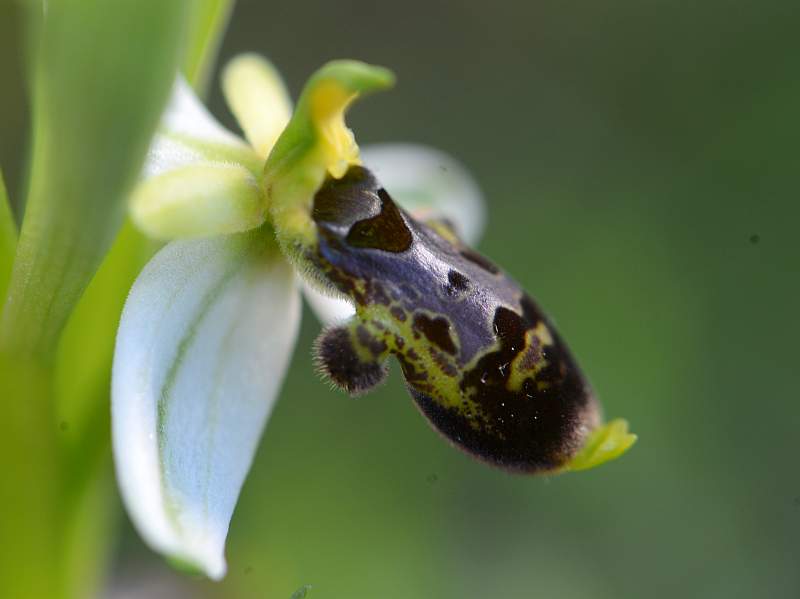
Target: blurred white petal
[(328, 309), (204, 341), (429, 184), (199, 200), (258, 99), (189, 134)]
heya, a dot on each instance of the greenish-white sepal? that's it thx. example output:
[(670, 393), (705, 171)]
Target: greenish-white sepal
[(429, 184), (189, 134), (199, 200), (203, 345), (258, 99)]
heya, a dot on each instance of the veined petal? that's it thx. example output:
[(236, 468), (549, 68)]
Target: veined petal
[(203, 345), (199, 200), (189, 134), (258, 99), (430, 185)]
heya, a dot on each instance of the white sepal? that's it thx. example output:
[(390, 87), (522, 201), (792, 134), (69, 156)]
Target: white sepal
[(188, 134), (203, 345)]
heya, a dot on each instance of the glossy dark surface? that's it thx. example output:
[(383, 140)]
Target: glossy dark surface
[(479, 357)]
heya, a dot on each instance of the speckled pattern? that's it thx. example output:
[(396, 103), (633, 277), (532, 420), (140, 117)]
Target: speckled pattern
[(480, 359)]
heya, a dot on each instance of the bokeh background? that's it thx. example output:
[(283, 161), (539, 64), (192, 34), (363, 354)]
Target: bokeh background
[(640, 160)]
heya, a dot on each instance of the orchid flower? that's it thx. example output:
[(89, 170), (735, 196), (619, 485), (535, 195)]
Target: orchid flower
[(210, 325)]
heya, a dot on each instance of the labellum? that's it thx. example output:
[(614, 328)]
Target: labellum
[(479, 357)]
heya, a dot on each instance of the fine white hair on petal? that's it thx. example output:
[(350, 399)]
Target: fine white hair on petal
[(203, 345), (185, 120), (186, 115), (429, 184)]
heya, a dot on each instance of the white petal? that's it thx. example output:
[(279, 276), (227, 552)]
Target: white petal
[(186, 115), (189, 134), (429, 184), (328, 309), (203, 345), (258, 99)]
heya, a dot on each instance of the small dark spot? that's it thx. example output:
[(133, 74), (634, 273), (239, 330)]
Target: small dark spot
[(398, 313), (436, 330), (755, 238), (432, 478), (457, 282), (248, 570), (443, 168), (63, 426), (476, 258), (377, 294)]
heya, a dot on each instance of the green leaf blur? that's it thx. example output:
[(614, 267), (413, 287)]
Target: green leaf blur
[(95, 106)]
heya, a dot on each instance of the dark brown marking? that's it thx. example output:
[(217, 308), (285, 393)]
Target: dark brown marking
[(443, 363), (437, 331), (457, 281), (375, 346), (387, 231)]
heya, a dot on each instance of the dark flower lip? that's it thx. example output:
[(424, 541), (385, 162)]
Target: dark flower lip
[(480, 359)]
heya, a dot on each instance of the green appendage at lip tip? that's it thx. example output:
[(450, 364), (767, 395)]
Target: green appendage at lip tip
[(605, 443)]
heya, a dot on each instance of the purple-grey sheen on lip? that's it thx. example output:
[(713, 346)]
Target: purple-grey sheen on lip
[(481, 360)]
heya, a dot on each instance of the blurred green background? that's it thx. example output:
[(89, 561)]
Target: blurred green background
[(640, 160)]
